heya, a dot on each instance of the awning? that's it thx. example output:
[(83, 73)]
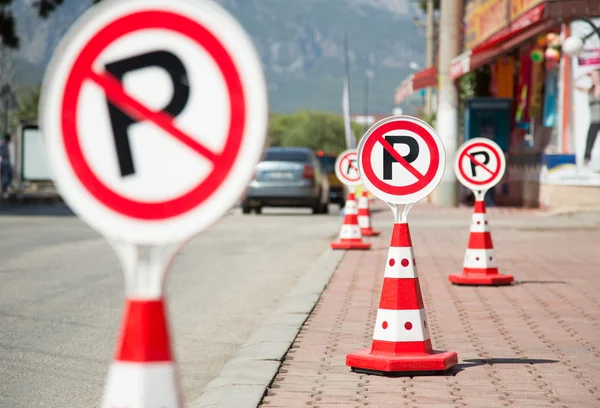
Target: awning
[(530, 24), (422, 79)]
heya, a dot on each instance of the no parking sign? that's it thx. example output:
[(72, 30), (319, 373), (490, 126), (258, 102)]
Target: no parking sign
[(154, 115), (401, 159), (346, 168), (480, 164)]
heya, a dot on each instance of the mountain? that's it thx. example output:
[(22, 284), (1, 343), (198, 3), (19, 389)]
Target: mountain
[(300, 43)]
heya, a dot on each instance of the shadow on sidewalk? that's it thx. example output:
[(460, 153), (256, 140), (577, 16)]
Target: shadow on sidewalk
[(540, 282), (466, 364), (476, 362)]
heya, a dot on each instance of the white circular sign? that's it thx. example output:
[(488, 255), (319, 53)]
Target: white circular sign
[(401, 159), (480, 164), (154, 115), (346, 168)]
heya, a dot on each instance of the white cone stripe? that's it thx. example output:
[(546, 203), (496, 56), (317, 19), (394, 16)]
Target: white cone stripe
[(363, 221), (401, 325), (363, 202), (350, 232), (394, 267), (137, 385), (351, 208), (482, 226), (480, 258)]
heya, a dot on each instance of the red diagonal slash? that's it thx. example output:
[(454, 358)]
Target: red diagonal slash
[(480, 164), (399, 158), (116, 94)]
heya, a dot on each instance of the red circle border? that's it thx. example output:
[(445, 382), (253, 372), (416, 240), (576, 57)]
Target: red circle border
[(464, 153), (153, 19), (429, 140), (341, 172)]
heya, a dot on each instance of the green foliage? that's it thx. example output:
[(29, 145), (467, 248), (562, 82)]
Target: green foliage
[(316, 130), (28, 106), (431, 119), (423, 5)]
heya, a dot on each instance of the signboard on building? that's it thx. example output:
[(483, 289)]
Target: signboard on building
[(488, 18), (582, 138), (519, 7)]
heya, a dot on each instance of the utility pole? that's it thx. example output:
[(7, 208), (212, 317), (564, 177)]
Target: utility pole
[(450, 40), (429, 57), (368, 75)]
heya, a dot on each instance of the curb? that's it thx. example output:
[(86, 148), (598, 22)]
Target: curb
[(243, 381)]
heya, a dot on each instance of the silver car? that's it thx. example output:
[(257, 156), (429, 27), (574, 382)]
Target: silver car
[(288, 177)]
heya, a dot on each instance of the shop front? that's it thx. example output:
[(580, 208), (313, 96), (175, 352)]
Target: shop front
[(570, 177), (521, 94)]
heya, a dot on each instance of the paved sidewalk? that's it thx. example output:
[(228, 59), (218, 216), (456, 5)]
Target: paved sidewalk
[(533, 344)]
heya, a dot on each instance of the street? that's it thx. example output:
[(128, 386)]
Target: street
[(61, 297)]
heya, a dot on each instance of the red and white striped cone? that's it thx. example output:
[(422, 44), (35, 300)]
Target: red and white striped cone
[(480, 265), (350, 236), (364, 217), (143, 374), (401, 341)]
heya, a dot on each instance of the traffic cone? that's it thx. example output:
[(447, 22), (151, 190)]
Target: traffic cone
[(401, 341), (364, 217), (143, 374), (350, 236), (480, 264)]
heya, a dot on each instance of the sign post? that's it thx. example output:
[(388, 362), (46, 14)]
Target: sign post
[(154, 116), (480, 165), (401, 160)]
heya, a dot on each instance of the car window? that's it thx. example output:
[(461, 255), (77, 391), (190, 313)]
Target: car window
[(286, 156), (327, 163)]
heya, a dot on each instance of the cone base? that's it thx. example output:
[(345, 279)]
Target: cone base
[(369, 232), (141, 385), (350, 245), (364, 361), (482, 279)]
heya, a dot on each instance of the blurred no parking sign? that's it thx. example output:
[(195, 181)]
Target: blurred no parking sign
[(154, 115)]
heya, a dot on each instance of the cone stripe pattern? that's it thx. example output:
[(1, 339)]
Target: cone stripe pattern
[(364, 216), (401, 339), (144, 334), (480, 254), (363, 212), (401, 315), (350, 233), (480, 266), (143, 373)]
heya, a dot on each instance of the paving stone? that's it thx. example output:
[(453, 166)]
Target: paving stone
[(531, 344)]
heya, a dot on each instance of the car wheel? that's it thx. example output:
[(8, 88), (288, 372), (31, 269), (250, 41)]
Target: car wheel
[(326, 208), (246, 210), (342, 204), (317, 208), (258, 210)]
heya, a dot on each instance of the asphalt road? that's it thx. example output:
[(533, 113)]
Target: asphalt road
[(61, 298)]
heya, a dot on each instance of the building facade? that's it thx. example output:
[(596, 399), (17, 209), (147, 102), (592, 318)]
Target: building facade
[(512, 55)]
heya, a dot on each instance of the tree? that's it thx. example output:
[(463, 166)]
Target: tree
[(28, 108), (316, 130), (7, 77), (8, 34), (423, 5)]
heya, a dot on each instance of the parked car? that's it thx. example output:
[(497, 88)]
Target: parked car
[(337, 190), (288, 177)]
